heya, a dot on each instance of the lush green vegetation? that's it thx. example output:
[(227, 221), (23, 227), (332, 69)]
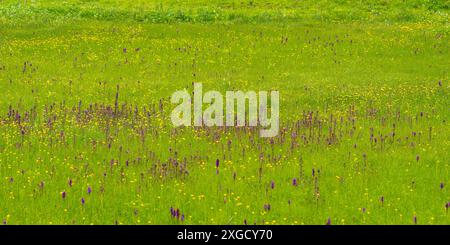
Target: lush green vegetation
[(228, 10), (86, 135)]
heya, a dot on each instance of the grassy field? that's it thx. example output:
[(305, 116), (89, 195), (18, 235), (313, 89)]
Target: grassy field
[(86, 136)]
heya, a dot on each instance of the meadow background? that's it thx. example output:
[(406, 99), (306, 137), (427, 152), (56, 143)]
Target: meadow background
[(86, 138)]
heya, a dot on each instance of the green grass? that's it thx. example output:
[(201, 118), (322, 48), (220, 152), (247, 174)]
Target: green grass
[(364, 102), (248, 11)]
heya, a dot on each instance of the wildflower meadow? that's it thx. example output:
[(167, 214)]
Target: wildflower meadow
[(86, 135)]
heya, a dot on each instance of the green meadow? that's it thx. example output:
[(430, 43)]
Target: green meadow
[(86, 135)]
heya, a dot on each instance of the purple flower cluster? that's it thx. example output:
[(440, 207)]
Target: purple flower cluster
[(217, 166), (176, 214)]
